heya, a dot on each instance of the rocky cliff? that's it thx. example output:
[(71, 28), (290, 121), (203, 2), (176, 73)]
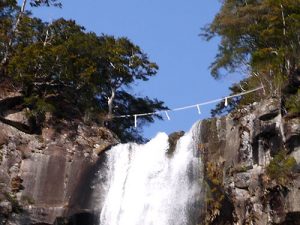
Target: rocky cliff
[(48, 176), (251, 166), (252, 161)]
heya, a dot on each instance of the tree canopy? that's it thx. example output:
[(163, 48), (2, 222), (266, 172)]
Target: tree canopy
[(259, 38), (73, 74)]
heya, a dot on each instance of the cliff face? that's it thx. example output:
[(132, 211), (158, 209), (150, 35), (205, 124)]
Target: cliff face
[(251, 164), (252, 160), (51, 175)]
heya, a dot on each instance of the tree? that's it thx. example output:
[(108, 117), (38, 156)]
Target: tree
[(12, 16), (124, 64), (251, 30), (8, 10), (73, 74), (127, 103), (259, 38)]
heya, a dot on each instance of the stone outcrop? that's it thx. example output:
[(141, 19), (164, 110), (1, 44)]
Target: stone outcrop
[(173, 138), (44, 177), (237, 150)]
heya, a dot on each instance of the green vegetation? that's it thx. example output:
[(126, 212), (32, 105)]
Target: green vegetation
[(215, 193), (16, 207), (260, 40), (293, 103), (281, 168), (73, 74), (240, 168), (16, 184)]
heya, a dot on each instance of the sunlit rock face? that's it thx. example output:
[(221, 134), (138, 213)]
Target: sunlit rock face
[(44, 177), (237, 150), (213, 174)]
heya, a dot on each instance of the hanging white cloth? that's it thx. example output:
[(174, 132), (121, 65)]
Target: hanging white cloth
[(190, 106), (198, 107), (242, 88), (167, 115), (226, 102), (112, 65), (135, 120)]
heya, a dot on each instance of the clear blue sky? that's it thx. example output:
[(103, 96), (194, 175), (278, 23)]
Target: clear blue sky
[(168, 31)]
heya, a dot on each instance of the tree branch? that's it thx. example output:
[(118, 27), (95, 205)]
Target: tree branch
[(20, 126)]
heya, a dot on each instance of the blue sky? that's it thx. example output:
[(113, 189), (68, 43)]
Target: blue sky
[(168, 31)]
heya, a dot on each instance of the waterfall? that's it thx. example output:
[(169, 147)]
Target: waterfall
[(146, 186)]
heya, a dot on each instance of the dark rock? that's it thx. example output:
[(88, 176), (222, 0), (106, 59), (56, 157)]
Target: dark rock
[(270, 115), (5, 207), (292, 218), (82, 218), (173, 138), (292, 131)]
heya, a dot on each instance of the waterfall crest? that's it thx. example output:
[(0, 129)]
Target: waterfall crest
[(147, 186)]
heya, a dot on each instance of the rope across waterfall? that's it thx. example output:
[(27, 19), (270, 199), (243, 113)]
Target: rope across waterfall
[(196, 106)]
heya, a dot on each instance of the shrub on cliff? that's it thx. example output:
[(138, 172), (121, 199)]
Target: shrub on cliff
[(215, 195), (281, 168), (293, 103)]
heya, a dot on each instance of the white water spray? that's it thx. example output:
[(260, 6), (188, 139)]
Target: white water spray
[(146, 186)]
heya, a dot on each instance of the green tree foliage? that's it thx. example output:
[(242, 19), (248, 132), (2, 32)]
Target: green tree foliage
[(12, 25), (215, 194), (36, 3), (281, 168), (293, 104), (8, 13), (259, 38), (73, 74)]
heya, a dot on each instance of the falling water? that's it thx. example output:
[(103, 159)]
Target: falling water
[(146, 186)]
